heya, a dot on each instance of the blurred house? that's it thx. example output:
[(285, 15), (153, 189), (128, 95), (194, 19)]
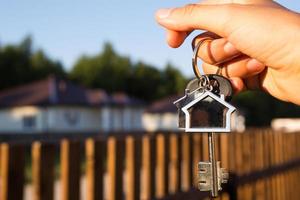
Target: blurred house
[(286, 124), (58, 106), (162, 115)]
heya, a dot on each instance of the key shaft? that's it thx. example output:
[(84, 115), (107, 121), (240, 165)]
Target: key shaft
[(214, 167)]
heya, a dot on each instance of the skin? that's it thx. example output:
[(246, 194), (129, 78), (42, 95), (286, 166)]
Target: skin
[(255, 42)]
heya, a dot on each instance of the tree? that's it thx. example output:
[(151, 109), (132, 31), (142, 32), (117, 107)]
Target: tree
[(42, 66), (106, 70), (14, 67), (173, 81), (144, 82), (19, 64), (260, 108), (113, 72)]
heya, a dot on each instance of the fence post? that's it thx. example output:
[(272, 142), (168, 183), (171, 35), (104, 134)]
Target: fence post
[(70, 170), (278, 147), (224, 157), (247, 160), (257, 148), (187, 169), (133, 168), (162, 165), (267, 163), (196, 157), (115, 156), (175, 160), (95, 154), (149, 163), (12, 171), (42, 170), (233, 164)]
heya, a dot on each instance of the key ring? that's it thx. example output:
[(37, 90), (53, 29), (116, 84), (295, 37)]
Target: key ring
[(195, 57), (205, 82)]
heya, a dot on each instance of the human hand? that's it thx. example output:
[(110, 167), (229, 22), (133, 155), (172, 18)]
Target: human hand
[(245, 39)]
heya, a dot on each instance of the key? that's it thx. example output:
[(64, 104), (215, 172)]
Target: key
[(211, 175), (220, 84), (205, 108)]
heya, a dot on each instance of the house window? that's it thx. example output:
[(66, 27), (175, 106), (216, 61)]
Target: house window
[(29, 121)]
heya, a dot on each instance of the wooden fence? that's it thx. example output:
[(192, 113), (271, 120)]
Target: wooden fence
[(263, 165)]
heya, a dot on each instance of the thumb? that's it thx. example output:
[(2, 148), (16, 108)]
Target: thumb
[(213, 18)]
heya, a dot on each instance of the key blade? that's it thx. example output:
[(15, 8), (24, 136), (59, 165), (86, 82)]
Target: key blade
[(204, 176)]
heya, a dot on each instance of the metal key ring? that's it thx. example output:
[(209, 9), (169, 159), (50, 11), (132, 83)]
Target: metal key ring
[(195, 57)]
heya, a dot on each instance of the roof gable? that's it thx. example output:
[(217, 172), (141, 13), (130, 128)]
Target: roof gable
[(221, 100)]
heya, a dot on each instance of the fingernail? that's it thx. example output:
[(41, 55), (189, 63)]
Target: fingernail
[(163, 13), (230, 49)]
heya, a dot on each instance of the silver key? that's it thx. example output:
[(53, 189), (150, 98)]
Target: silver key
[(211, 175), (204, 109)]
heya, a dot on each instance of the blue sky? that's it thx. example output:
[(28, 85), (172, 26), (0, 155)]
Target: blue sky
[(66, 29)]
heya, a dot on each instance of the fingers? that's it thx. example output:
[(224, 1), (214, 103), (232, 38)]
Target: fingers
[(205, 36), (237, 84), (242, 67), (216, 51), (240, 85), (176, 38), (205, 17), (253, 83), (211, 2)]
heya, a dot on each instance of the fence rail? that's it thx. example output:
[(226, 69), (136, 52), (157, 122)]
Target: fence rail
[(262, 164)]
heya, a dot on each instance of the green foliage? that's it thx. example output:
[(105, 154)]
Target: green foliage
[(106, 70), (260, 108), (20, 64), (144, 82), (114, 72), (42, 66), (173, 80)]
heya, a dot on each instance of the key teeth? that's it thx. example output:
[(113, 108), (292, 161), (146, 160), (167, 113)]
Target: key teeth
[(204, 176), (224, 175), (204, 173)]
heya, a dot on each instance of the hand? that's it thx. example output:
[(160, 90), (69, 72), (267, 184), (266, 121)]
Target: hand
[(246, 37)]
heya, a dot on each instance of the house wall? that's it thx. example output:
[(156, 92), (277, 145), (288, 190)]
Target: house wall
[(105, 116), (59, 119), (126, 118), (11, 120), (68, 119), (53, 119), (286, 124), (165, 121)]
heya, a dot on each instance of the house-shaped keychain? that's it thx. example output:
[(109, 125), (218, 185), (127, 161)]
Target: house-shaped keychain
[(204, 111)]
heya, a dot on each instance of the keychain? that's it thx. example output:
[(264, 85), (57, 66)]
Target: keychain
[(205, 109)]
